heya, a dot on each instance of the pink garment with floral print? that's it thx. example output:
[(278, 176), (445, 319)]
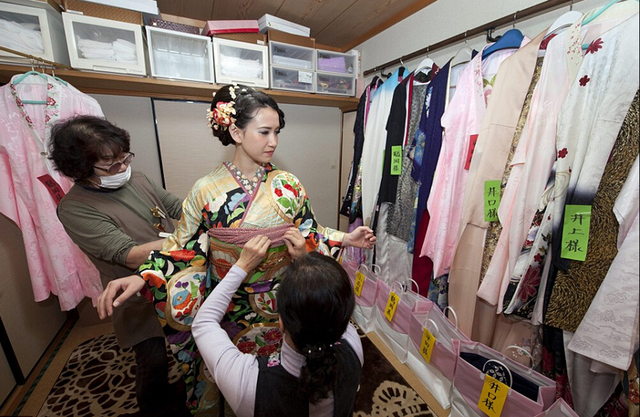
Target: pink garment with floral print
[(56, 264)]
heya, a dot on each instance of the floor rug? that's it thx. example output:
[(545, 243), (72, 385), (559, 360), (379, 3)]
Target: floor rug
[(98, 379)]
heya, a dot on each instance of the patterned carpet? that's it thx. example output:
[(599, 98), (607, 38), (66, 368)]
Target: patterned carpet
[(98, 380)]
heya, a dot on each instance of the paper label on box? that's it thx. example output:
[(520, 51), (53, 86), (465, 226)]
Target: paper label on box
[(305, 77)]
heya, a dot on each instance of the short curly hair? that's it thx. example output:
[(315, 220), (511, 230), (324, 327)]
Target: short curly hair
[(77, 144), (247, 103)]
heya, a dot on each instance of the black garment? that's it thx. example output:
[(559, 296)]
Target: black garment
[(277, 394), (156, 397), (358, 143)]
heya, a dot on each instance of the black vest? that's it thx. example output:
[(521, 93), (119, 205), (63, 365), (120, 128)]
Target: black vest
[(277, 390)]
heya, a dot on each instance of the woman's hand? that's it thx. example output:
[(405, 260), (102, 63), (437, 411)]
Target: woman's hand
[(128, 285), (361, 237), (295, 242), (253, 253)]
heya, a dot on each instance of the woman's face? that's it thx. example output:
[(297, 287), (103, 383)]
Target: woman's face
[(107, 165), (259, 139)]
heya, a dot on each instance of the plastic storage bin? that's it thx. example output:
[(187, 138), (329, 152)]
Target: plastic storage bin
[(293, 79), (179, 55), (104, 45), (335, 84), (240, 62), (291, 56), (336, 62), (36, 31)]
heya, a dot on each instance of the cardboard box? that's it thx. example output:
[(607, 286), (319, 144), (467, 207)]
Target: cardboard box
[(291, 39), (255, 38), (216, 27), (268, 22), (102, 11)]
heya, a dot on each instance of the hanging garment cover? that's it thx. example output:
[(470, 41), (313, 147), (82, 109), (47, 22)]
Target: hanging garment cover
[(609, 331), (608, 76), (489, 159), (461, 123), (56, 264), (536, 154), (375, 136)]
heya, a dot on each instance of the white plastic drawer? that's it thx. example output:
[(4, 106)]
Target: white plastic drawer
[(292, 56), (240, 62), (336, 62), (335, 84), (178, 55), (36, 31), (293, 79), (104, 45)]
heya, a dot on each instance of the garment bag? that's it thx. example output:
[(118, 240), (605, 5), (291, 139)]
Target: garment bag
[(529, 392), (430, 355), (365, 286), (394, 306), (559, 409)]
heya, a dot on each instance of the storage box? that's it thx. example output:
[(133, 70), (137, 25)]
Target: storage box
[(104, 45), (36, 31), (215, 27), (291, 56), (268, 21), (336, 62), (291, 39), (293, 79), (180, 56), (255, 38), (240, 62), (335, 84), (103, 11), (178, 27)]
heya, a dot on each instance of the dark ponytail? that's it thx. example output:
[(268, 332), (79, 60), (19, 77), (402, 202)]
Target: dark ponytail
[(315, 302), (247, 102)]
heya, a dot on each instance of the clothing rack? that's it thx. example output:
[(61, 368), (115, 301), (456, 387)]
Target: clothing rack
[(36, 59), (487, 27)]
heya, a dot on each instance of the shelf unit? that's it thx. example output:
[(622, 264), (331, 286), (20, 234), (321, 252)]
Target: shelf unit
[(129, 85)]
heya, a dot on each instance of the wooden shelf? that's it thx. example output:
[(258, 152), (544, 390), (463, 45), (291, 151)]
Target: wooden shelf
[(131, 85), (409, 376)]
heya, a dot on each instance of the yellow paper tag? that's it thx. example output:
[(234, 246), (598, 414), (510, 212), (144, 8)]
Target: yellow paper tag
[(392, 304), (494, 394), (357, 286), (428, 342)]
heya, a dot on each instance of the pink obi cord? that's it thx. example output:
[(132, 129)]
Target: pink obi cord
[(240, 236)]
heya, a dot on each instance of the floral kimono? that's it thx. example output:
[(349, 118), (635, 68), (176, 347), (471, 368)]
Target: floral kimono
[(222, 211)]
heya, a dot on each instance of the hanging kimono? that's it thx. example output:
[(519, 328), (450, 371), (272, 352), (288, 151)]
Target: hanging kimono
[(31, 187), (222, 211), (375, 136), (461, 124), (535, 155), (491, 154)]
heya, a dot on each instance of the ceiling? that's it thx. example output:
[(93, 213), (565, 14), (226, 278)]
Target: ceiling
[(342, 24)]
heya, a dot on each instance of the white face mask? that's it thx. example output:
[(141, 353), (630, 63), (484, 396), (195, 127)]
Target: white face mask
[(116, 181)]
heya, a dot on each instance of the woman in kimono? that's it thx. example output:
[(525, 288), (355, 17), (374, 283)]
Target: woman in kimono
[(238, 200)]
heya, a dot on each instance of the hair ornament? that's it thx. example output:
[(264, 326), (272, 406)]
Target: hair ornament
[(221, 117)]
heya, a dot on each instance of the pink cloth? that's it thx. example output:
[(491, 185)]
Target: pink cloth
[(239, 236), (460, 121), (536, 153), (56, 264)]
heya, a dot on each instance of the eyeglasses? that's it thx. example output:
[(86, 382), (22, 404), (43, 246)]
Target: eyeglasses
[(116, 166)]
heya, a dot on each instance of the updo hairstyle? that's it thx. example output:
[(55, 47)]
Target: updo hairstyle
[(315, 301), (247, 103)]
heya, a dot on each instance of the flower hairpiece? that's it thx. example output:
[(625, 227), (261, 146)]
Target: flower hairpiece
[(221, 117)]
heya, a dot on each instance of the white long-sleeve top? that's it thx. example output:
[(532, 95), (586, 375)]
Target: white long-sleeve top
[(236, 373)]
